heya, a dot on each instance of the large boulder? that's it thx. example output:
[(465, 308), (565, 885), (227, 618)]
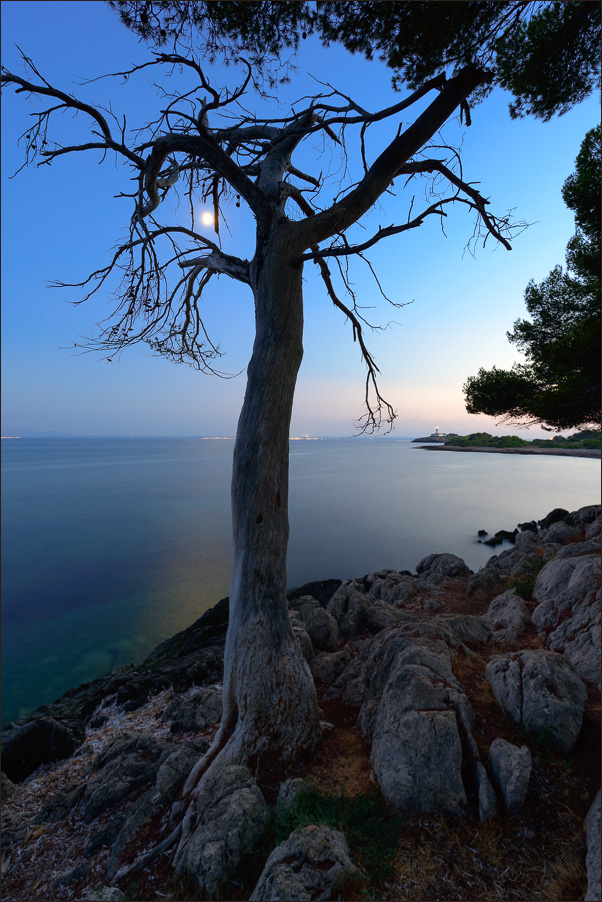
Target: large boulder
[(328, 666), (347, 606), (199, 709), (515, 561), (321, 626), (383, 616), (585, 516), (40, 740), (312, 864), (509, 616), (416, 746), (555, 516), (435, 568), (511, 767), (560, 533), (568, 611), (541, 690), (230, 816), (392, 587), (415, 712), (128, 763)]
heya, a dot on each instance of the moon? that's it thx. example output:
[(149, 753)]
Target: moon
[(207, 218)]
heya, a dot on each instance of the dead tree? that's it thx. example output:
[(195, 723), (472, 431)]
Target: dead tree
[(205, 144)]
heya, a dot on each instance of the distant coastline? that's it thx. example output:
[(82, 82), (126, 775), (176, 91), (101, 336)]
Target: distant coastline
[(561, 452)]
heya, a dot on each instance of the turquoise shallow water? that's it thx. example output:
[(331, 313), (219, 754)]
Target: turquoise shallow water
[(111, 545)]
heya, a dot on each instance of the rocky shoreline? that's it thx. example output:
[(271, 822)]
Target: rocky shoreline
[(471, 700), (561, 452)]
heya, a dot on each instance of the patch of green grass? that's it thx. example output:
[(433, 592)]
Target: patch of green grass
[(370, 826), (524, 585)]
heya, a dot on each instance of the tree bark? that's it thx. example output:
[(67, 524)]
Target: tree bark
[(270, 705)]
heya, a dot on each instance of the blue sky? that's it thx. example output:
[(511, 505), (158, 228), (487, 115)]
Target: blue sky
[(60, 222)]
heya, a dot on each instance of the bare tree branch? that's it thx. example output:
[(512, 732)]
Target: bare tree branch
[(360, 199)]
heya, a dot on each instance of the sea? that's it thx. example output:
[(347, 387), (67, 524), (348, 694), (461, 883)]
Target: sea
[(111, 545)]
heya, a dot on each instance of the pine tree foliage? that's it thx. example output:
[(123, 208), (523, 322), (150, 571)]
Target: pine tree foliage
[(559, 385)]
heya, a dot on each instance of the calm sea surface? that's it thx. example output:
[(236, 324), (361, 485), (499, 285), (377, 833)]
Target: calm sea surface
[(111, 545)]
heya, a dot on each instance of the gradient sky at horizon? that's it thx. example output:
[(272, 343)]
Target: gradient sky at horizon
[(60, 222)]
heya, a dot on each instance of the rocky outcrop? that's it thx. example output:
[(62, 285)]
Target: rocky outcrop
[(40, 740), (568, 611), (511, 767), (197, 710), (327, 667), (312, 863), (127, 764), (541, 690), (348, 606), (230, 816), (415, 713), (320, 625), (387, 646), (509, 616), (435, 568)]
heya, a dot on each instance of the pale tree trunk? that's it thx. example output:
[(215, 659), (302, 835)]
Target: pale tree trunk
[(270, 705)]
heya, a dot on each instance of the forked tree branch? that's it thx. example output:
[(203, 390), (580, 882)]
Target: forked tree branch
[(159, 294)]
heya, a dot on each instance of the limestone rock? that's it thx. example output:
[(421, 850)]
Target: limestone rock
[(515, 561), (59, 806), (511, 768), (7, 787), (415, 711), (392, 587), (289, 790), (126, 764), (199, 709), (568, 612), (138, 815), (542, 690), (527, 540), (489, 579), (486, 793), (382, 616), (231, 816), (14, 827), (347, 606), (559, 513), (509, 615), (176, 767), (467, 628), (592, 861), (311, 864), (578, 549), (416, 747), (328, 666), (584, 516), (38, 741), (303, 638), (435, 568), (321, 626), (560, 533)]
